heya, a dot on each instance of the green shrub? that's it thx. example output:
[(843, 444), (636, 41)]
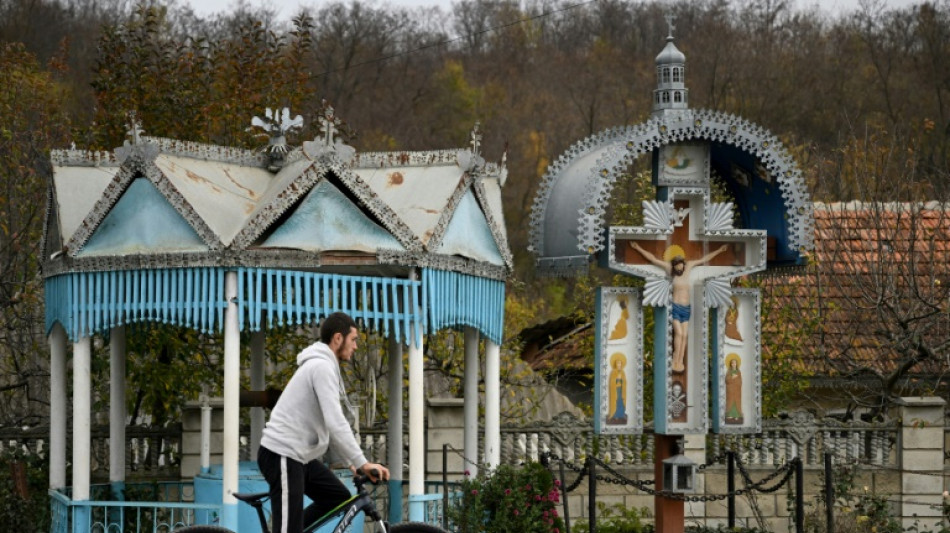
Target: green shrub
[(509, 500), (33, 512), (618, 519)]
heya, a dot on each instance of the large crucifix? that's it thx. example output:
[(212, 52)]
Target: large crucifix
[(684, 254)]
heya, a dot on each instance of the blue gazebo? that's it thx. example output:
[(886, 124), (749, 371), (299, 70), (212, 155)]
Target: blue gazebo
[(226, 240)]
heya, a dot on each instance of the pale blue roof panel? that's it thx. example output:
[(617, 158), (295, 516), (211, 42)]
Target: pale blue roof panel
[(142, 222), (468, 234), (326, 220)]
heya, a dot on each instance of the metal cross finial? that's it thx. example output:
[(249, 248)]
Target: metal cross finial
[(476, 139), (670, 17), (329, 125), (135, 130)]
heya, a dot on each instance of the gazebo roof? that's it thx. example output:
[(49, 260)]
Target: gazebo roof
[(148, 231), (181, 204)]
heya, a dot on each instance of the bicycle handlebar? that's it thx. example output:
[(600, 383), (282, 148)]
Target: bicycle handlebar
[(361, 478)]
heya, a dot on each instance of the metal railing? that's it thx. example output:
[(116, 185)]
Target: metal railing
[(150, 452), (799, 434), (138, 507), (154, 453)]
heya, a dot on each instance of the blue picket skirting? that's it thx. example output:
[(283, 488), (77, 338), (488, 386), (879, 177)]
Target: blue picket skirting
[(454, 300), (93, 302)]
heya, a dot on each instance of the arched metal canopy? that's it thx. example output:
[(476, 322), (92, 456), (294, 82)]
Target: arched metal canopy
[(568, 215)]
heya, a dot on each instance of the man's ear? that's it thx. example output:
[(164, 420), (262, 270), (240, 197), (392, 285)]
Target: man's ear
[(336, 340)]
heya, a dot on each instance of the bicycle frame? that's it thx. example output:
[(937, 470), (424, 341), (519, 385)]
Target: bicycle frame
[(360, 503), (349, 509)]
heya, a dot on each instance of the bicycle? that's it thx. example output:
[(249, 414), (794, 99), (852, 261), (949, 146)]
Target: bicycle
[(345, 513)]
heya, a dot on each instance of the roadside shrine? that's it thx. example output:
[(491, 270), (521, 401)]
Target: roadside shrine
[(221, 239), (687, 252)]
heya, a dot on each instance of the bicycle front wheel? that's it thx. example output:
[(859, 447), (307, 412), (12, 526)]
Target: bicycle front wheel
[(415, 527), (202, 529)]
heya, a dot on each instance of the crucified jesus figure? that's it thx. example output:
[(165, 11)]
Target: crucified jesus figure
[(678, 269)]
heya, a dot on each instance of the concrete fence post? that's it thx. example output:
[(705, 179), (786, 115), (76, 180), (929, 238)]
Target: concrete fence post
[(921, 461)]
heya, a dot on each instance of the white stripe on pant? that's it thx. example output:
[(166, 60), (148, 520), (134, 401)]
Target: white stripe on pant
[(284, 496)]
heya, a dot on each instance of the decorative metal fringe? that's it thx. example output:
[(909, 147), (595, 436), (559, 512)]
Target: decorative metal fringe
[(92, 302)]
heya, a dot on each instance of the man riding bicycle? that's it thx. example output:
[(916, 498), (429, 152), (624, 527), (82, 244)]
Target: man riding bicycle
[(307, 421)]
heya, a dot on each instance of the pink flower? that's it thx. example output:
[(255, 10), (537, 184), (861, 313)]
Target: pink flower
[(467, 473), (474, 491), (516, 512), (537, 497), (557, 482)]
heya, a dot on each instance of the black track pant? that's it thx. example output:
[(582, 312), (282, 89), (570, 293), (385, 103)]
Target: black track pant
[(289, 480)]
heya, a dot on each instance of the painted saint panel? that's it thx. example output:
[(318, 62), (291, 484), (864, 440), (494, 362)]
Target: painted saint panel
[(736, 374), (618, 369)]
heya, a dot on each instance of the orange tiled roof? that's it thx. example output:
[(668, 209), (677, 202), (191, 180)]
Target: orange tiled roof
[(876, 289)]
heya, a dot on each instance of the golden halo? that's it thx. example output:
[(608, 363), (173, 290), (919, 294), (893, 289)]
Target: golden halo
[(673, 251), (733, 357), (617, 356)]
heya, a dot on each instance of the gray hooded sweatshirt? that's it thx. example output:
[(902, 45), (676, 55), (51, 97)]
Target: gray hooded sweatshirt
[(308, 418)]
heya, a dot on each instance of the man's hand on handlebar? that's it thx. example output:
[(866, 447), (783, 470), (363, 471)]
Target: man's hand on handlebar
[(375, 472)]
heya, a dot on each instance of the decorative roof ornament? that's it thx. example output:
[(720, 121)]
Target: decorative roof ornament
[(476, 140), (503, 168), (328, 142), (472, 159), (135, 130), (135, 143), (671, 94), (277, 124)]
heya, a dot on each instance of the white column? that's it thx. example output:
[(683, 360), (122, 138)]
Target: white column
[(257, 384), (416, 428), (232, 386), (492, 404), (57, 407), (471, 401), (82, 412), (117, 408), (394, 456), (205, 456)]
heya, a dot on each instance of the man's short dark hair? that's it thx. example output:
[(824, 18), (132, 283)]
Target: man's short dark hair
[(334, 323)]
